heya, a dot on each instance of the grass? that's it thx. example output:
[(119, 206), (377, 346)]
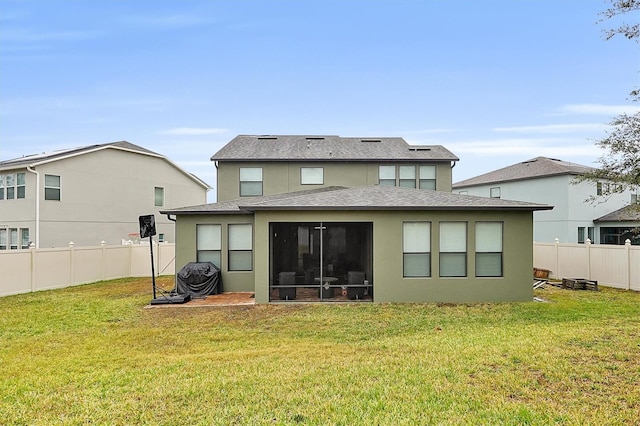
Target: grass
[(95, 355)]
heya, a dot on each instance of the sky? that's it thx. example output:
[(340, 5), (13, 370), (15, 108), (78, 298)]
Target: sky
[(496, 82)]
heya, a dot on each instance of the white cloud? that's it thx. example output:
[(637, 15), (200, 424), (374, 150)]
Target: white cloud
[(554, 128), (598, 109), (193, 131)]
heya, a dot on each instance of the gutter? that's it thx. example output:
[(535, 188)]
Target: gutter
[(37, 204)]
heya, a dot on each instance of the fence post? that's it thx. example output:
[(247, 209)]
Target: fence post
[(588, 245), (32, 250), (71, 274), (557, 242), (627, 247), (102, 245)]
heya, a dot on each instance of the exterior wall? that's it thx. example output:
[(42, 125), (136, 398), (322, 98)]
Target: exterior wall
[(102, 195), (281, 177), (388, 281), (570, 208), (186, 249)]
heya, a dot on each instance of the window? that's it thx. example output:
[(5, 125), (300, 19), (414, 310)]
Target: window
[(2, 187), (3, 239), (20, 185), (416, 249), (24, 238), (494, 192), (489, 249), (408, 176), (428, 177), (250, 181), (159, 196), (453, 249), (581, 234), (387, 175), (13, 235), (10, 182), (591, 232), (209, 244), (312, 176), (240, 247), (161, 238), (463, 192), (52, 187)]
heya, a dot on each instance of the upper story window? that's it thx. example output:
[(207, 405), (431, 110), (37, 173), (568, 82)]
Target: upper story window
[(159, 196), (428, 177), (311, 176), (12, 186), (387, 175), (209, 243), (408, 176), (250, 181), (495, 192), (52, 187)]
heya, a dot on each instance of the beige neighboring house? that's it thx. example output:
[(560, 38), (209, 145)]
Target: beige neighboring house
[(328, 218), (90, 194)]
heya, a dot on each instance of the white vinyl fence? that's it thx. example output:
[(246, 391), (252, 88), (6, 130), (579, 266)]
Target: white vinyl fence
[(611, 265), (24, 271)]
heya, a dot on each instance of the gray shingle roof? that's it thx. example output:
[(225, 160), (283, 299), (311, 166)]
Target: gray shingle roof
[(46, 157), (362, 198), (534, 168), (630, 213), (327, 148)]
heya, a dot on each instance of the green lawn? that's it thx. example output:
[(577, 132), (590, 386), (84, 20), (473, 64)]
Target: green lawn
[(96, 355)]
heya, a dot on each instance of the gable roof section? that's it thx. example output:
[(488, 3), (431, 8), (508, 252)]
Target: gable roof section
[(44, 158), (327, 148), (531, 169), (374, 197)]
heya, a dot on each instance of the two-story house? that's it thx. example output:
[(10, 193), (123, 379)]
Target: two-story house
[(90, 194), (331, 218), (574, 217)]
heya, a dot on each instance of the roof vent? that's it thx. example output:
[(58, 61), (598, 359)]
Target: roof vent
[(419, 148), (370, 140), (312, 138), (267, 138)]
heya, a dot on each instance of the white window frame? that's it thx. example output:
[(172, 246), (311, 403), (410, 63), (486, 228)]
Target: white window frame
[(416, 249), (453, 245), (209, 243), (407, 176), (385, 175), (54, 188), (249, 176), (3, 239), (240, 247), (13, 238), (427, 177), (495, 192), (489, 246), (311, 175), (158, 196)]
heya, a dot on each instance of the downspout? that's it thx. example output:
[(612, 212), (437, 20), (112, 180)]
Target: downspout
[(37, 205)]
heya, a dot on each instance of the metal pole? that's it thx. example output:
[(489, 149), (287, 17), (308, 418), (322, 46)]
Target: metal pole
[(153, 272)]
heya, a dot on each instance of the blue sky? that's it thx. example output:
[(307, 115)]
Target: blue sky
[(495, 81)]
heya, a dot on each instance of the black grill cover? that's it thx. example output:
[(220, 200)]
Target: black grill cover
[(199, 279)]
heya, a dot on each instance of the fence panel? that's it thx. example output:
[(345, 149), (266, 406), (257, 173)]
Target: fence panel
[(15, 272), (52, 269)]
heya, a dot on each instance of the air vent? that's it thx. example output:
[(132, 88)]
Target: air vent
[(315, 138), (370, 140), (420, 148), (267, 138)]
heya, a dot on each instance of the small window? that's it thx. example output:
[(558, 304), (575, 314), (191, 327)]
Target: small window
[(161, 238), (250, 181), (52, 187), (312, 176), (24, 238), (408, 176), (3, 239), (13, 235), (416, 249), (495, 192), (240, 247), (591, 233), (387, 175), (453, 249), (581, 230), (428, 177), (488, 249), (463, 192), (159, 196), (209, 243)]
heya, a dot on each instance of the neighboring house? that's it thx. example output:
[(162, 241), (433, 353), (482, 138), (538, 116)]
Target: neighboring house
[(91, 194), (309, 218), (551, 181)]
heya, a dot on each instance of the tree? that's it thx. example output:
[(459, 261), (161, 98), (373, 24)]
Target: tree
[(620, 165)]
